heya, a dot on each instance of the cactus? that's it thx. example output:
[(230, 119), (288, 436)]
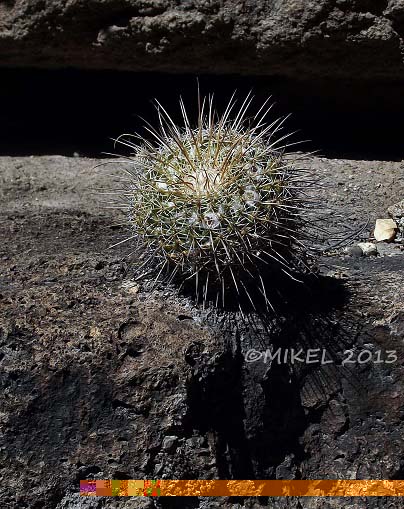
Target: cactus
[(218, 204)]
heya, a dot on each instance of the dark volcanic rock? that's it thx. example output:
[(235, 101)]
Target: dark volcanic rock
[(320, 38), (102, 379)]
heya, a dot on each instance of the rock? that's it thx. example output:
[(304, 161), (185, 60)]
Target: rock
[(311, 38), (396, 211), (76, 404), (354, 251), (169, 442), (385, 230), (368, 248), (287, 469)]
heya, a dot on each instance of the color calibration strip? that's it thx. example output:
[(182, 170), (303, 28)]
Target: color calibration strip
[(225, 488)]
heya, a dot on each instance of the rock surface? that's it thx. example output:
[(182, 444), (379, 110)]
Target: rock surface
[(310, 38), (368, 248), (396, 211), (102, 379), (385, 230)]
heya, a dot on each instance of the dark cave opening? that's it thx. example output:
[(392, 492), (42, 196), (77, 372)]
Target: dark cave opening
[(65, 112)]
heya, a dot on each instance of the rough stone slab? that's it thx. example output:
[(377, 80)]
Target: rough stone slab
[(96, 379), (310, 38)]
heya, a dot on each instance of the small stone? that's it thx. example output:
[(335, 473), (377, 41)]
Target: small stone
[(396, 211), (158, 468), (95, 332), (169, 442), (385, 230), (354, 251), (368, 248), (133, 289)]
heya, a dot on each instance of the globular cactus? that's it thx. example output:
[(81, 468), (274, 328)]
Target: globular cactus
[(218, 203)]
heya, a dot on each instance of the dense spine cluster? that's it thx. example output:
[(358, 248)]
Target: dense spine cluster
[(218, 203)]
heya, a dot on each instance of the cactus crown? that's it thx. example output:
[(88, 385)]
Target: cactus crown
[(219, 202)]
